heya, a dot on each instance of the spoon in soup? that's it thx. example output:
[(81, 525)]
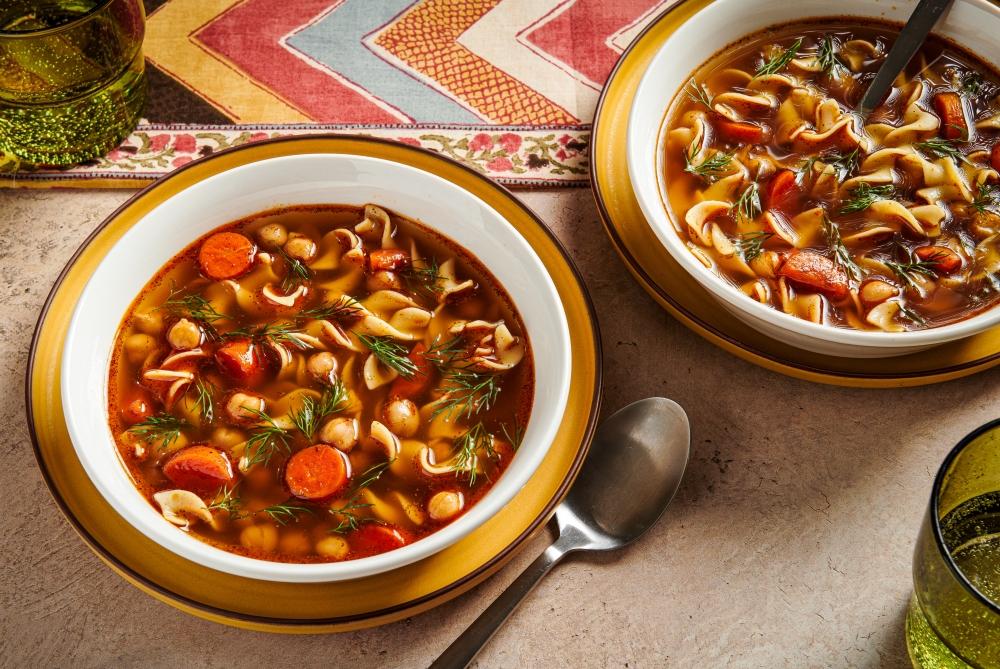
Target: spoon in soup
[(911, 37), (631, 473)]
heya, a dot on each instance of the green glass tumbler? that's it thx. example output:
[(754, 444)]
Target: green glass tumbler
[(72, 77), (954, 616)]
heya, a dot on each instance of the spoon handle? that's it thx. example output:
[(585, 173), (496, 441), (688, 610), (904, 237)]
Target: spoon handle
[(465, 648), (916, 30)]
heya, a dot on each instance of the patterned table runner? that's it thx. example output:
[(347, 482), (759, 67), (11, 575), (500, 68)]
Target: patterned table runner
[(508, 87)]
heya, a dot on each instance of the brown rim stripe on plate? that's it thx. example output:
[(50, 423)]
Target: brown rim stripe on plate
[(374, 617), (686, 316)]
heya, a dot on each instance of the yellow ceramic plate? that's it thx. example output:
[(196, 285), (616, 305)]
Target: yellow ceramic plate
[(694, 306), (309, 607)]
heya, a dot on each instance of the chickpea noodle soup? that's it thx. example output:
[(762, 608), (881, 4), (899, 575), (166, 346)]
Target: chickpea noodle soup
[(890, 224), (319, 383)]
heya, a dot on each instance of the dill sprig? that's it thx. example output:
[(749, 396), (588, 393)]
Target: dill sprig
[(266, 440), (464, 390), (269, 334), (863, 196), (939, 147), (286, 512), (712, 167), (226, 500), (164, 426), (776, 63), (826, 55), (747, 206), (308, 417), (700, 94), (750, 244), (516, 436), (343, 308), (194, 307), (464, 452), (298, 273), (906, 270), (841, 256), (912, 316), (391, 354), (841, 166), (351, 520), (971, 85), (423, 279), (204, 403), (987, 197)]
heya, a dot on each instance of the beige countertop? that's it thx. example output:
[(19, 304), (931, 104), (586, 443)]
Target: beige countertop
[(788, 545)]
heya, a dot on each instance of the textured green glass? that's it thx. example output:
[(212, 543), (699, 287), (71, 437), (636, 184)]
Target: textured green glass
[(72, 80), (954, 618)]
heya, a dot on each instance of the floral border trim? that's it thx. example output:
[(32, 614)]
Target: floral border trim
[(535, 156)]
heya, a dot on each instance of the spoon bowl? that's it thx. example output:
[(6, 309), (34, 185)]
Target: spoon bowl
[(631, 473)]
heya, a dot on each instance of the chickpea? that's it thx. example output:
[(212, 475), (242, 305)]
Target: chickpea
[(184, 335), (401, 416), (238, 405), (264, 537), (332, 547), (323, 366), (876, 292), (302, 249), (341, 433), (273, 234), (445, 505)]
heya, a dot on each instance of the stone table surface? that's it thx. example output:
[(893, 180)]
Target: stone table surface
[(788, 545)]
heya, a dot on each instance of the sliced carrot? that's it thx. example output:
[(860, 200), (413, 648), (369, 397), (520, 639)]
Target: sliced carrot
[(318, 472), (941, 259), (389, 260), (375, 538), (139, 408), (414, 389), (948, 106), (995, 157), (199, 468), (781, 190), (239, 359), (817, 273), (226, 255), (739, 132)]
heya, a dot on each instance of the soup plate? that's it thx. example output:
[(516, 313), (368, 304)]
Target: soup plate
[(306, 179), (973, 24)]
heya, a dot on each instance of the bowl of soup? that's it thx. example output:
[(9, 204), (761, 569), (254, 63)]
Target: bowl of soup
[(827, 231), (315, 367)]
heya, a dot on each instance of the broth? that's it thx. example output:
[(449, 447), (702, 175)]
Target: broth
[(777, 187), (319, 383)]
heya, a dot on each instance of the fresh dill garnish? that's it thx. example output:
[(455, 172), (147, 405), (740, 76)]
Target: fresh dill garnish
[(423, 279), (826, 56), (269, 334), (343, 308), (863, 196), (463, 390), (912, 316), (516, 436), (308, 417), (700, 93), (298, 273), (391, 354), (351, 520), (712, 167), (750, 243), (747, 206), (464, 452), (266, 440), (841, 166), (225, 500), (841, 256), (971, 85), (987, 197), (163, 426), (776, 63), (906, 270), (194, 307), (286, 512), (939, 147), (204, 403)]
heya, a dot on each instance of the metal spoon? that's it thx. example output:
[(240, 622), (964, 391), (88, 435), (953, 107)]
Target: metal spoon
[(631, 473), (916, 30)]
